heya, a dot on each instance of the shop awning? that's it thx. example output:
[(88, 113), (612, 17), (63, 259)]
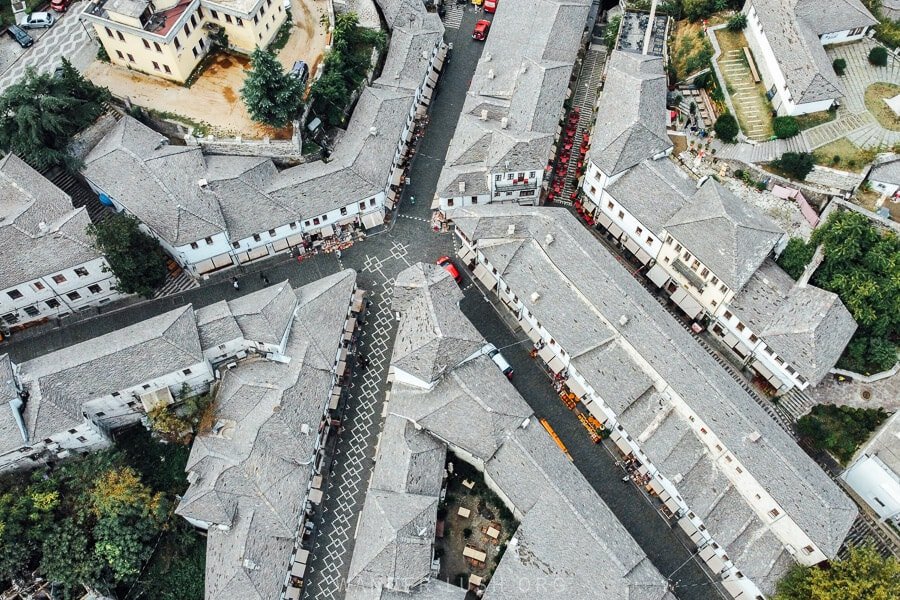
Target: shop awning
[(533, 334), (293, 593), (466, 254), (485, 275), (643, 256), (595, 410), (715, 563), (350, 325), (672, 505), (341, 368), (622, 443), (588, 205), (298, 569), (556, 365), (575, 387), (347, 220), (730, 339), (614, 230), (315, 496), (603, 219), (157, 398), (372, 219), (687, 525), (546, 353), (632, 245), (656, 486), (658, 275), (761, 369), (690, 306)]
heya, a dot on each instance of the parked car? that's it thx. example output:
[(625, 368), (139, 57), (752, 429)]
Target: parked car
[(300, 70), (490, 6), (481, 30), (505, 368), (37, 20), (18, 34), (448, 265), (60, 6)]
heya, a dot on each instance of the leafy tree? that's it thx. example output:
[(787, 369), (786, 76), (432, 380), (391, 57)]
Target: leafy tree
[(726, 127), (863, 575), (612, 32), (785, 127), (135, 257), (737, 23), (839, 429), (839, 65), (795, 164), (878, 56), (41, 113), (271, 95), (66, 559), (796, 256)]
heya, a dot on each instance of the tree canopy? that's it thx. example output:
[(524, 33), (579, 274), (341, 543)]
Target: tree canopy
[(863, 575), (135, 257), (40, 113), (727, 127), (795, 164), (839, 429), (271, 95)]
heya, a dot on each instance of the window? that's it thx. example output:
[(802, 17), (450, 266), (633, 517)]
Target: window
[(227, 18), (531, 175), (686, 256), (120, 36), (194, 52), (187, 30), (240, 22), (728, 459), (809, 549), (344, 211), (593, 190), (714, 280), (215, 15), (193, 20), (130, 58), (753, 339), (255, 19), (639, 230), (740, 326), (703, 430), (791, 370), (723, 288), (155, 65), (200, 12), (324, 218), (371, 201), (177, 43), (52, 303), (474, 199), (73, 295), (621, 214), (100, 414), (727, 315), (704, 272), (194, 245), (208, 241), (649, 239), (235, 244), (157, 47), (202, 44), (677, 247), (81, 271), (714, 303), (294, 225), (739, 470), (768, 351), (108, 32), (256, 237), (316, 221), (271, 233), (146, 44), (609, 205), (115, 394), (14, 294), (146, 386), (120, 55), (32, 311), (186, 371), (774, 513), (362, 205), (167, 69), (718, 447), (94, 288)]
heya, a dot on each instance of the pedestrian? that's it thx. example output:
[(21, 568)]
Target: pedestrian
[(265, 279), (626, 478), (412, 199), (338, 253), (235, 284)]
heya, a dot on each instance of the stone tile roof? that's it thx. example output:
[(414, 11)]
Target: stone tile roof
[(433, 336), (409, 461), (62, 381), (40, 232), (573, 260), (157, 183), (261, 316), (412, 42), (728, 235), (793, 27), (249, 471), (886, 169), (653, 191), (10, 433), (434, 589), (519, 84), (631, 116)]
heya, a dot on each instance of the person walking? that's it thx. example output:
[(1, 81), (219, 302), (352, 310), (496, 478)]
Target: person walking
[(235, 284), (265, 279)]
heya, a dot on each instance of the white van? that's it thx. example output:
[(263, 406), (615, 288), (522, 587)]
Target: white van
[(505, 368)]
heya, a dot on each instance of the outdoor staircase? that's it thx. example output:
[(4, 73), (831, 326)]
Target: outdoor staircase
[(796, 403), (763, 152), (584, 99), (866, 530), (844, 125), (80, 192)]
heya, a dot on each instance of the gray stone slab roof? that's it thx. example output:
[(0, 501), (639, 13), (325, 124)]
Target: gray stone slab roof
[(885, 444), (249, 470), (216, 325), (10, 432), (261, 316), (728, 235), (631, 114), (434, 589), (520, 82), (41, 233), (805, 325), (409, 460), (886, 169), (157, 183), (653, 191), (793, 27), (410, 51), (433, 337), (573, 260), (62, 381)]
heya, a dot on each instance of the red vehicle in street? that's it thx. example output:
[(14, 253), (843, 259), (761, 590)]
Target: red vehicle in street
[(60, 6), (490, 6), (481, 30), (448, 265)]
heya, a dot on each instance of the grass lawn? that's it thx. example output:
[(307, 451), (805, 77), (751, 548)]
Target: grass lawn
[(817, 118), (754, 111), (850, 157), (875, 96), (689, 49)]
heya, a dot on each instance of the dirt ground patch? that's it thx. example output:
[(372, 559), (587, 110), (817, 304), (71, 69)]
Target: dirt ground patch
[(850, 157), (214, 99), (875, 96), (485, 510)]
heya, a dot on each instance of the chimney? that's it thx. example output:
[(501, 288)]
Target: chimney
[(202, 183), (504, 123), (487, 57), (535, 297), (373, 131), (511, 230), (548, 239), (754, 437), (623, 320), (462, 186), (490, 73), (484, 114)]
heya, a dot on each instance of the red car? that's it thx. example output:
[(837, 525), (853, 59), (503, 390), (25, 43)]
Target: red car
[(481, 30), (448, 265), (490, 6), (60, 5)]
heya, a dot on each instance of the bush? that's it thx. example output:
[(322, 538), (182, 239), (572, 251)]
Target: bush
[(839, 65), (727, 127), (737, 23), (785, 127), (796, 256), (467, 533), (878, 56), (795, 164), (839, 429)]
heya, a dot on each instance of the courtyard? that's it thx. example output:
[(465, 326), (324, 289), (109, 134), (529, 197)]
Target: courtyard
[(213, 102), (754, 112)]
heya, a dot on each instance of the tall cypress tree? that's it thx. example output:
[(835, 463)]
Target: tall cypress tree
[(272, 96)]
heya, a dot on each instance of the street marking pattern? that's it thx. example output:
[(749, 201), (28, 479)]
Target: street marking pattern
[(453, 16)]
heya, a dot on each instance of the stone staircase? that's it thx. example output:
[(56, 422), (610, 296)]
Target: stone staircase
[(80, 191), (584, 99), (796, 403), (844, 125), (761, 153), (866, 531)]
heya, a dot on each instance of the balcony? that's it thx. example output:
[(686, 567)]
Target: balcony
[(694, 279), (511, 185)]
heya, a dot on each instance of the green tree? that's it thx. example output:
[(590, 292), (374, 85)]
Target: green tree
[(612, 32), (878, 56), (839, 65), (863, 575), (785, 127), (66, 559), (40, 113), (271, 95), (726, 127), (795, 164), (737, 23), (796, 256), (839, 429), (135, 257)]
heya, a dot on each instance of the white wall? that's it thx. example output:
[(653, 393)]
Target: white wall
[(888, 189), (714, 295)]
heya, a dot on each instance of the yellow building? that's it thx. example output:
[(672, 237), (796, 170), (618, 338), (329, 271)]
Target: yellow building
[(168, 38)]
